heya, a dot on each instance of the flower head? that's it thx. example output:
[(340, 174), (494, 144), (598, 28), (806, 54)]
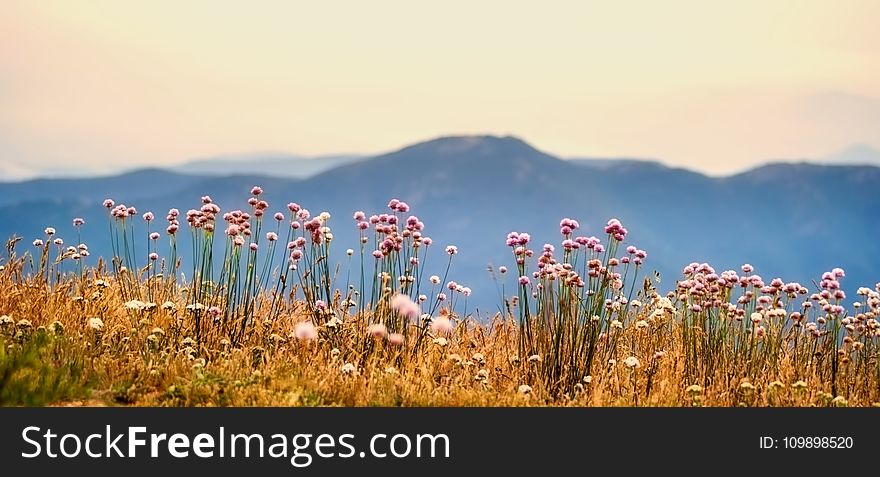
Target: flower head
[(377, 330), (632, 362), (441, 325), (348, 369), (404, 305), (96, 324), (305, 331), (395, 339)]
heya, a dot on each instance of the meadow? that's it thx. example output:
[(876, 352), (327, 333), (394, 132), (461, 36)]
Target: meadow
[(261, 309)]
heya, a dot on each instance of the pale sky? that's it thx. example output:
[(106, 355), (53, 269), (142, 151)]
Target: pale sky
[(711, 85)]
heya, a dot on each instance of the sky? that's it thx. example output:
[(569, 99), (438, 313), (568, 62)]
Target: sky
[(710, 85)]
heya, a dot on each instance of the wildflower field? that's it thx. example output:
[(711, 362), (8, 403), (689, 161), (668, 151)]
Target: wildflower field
[(259, 308)]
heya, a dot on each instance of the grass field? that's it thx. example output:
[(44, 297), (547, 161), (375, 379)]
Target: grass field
[(257, 314)]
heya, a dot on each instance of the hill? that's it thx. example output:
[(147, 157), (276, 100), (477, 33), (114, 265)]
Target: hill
[(790, 220)]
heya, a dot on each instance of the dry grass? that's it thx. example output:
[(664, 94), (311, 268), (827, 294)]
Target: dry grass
[(149, 358)]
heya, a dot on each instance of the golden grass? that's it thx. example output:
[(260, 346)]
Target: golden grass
[(149, 357)]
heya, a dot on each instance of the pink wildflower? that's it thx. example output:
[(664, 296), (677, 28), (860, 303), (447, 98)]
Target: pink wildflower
[(403, 305), (377, 330), (305, 331), (395, 339), (441, 325)]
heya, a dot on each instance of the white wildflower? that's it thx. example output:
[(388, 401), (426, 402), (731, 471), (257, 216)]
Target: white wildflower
[(632, 362), (348, 369), (134, 305), (96, 324), (482, 375)]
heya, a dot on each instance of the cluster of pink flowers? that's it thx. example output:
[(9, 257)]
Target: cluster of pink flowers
[(315, 227), (567, 226), (295, 209), (120, 211), (589, 243), (204, 217), (702, 287), (615, 229), (360, 219), (296, 254), (518, 241), (238, 226), (831, 295), (387, 228), (550, 269), (173, 222), (398, 205), (456, 287), (831, 280), (634, 255), (259, 205), (705, 290)]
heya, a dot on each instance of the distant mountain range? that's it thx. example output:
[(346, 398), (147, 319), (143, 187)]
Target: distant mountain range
[(286, 165), (859, 154), (794, 220)]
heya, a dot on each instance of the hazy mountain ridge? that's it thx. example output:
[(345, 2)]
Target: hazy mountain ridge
[(285, 165), (858, 154), (792, 220)]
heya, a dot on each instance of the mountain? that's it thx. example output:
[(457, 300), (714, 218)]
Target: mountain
[(11, 171), (793, 220), (606, 162), (277, 164), (140, 184), (859, 155)]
